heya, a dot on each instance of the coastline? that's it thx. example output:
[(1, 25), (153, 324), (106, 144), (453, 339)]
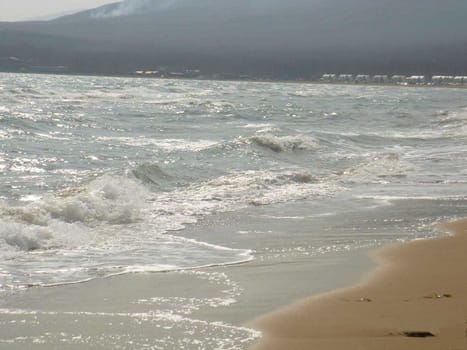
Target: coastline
[(415, 298), (135, 305), (239, 80)]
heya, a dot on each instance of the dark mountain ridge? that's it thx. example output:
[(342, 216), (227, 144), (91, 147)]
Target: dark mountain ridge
[(262, 38)]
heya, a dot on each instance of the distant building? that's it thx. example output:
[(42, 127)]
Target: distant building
[(362, 79), (460, 80), (380, 79), (442, 79), (328, 78), (416, 80), (345, 78), (399, 79), (147, 72), (176, 74), (192, 73)]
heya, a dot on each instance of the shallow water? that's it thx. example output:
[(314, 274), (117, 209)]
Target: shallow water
[(99, 175)]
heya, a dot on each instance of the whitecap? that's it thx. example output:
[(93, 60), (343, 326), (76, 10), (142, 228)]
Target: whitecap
[(285, 143), (163, 144)]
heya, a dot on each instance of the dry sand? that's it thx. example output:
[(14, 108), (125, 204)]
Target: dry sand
[(419, 289)]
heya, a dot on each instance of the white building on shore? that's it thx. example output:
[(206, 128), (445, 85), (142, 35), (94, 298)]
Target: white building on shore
[(328, 78), (345, 78), (435, 80), (416, 80), (399, 79), (442, 79), (362, 79), (380, 79), (460, 80)]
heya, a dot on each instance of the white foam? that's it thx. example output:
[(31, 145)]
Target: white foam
[(390, 198), (168, 330), (164, 144), (302, 93), (229, 291), (378, 169), (239, 190), (63, 219), (53, 234), (447, 116), (258, 126), (274, 217), (111, 226), (115, 225)]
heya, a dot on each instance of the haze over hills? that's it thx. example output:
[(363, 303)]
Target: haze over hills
[(259, 38)]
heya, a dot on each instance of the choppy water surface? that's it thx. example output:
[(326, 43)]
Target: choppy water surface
[(97, 173)]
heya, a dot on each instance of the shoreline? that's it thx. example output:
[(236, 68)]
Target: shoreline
[(259, 81), (138, 306), (416, 297), (205, 306)]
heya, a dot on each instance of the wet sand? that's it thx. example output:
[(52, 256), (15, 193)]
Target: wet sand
[(183, 309), (415, 299)]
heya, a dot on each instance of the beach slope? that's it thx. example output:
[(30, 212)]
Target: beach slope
[(415, 299)]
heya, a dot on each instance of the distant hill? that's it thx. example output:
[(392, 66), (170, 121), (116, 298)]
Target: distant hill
[(259, 38), (124, 8)]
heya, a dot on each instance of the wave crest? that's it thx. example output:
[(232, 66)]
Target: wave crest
[(109, 199), (285, 143), (152, 174), (67, 217)]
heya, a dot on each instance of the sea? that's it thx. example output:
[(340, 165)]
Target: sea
[(106, 176)]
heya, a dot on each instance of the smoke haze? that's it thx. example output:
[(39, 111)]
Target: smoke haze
[(133, 7)]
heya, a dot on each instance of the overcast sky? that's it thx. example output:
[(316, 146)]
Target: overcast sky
[(16, 10)]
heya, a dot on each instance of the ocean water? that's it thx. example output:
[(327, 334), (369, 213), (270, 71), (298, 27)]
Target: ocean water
[(98, 176)]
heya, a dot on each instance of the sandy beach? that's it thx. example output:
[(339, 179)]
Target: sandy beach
[(415, 299)]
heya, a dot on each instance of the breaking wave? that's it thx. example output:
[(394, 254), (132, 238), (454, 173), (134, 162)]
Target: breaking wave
[(121, 223), (66, 218), (285, 143), (153, 175), (97, 212)]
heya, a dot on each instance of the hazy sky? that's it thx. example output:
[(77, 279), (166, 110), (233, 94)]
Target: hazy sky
[(16, 10)]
